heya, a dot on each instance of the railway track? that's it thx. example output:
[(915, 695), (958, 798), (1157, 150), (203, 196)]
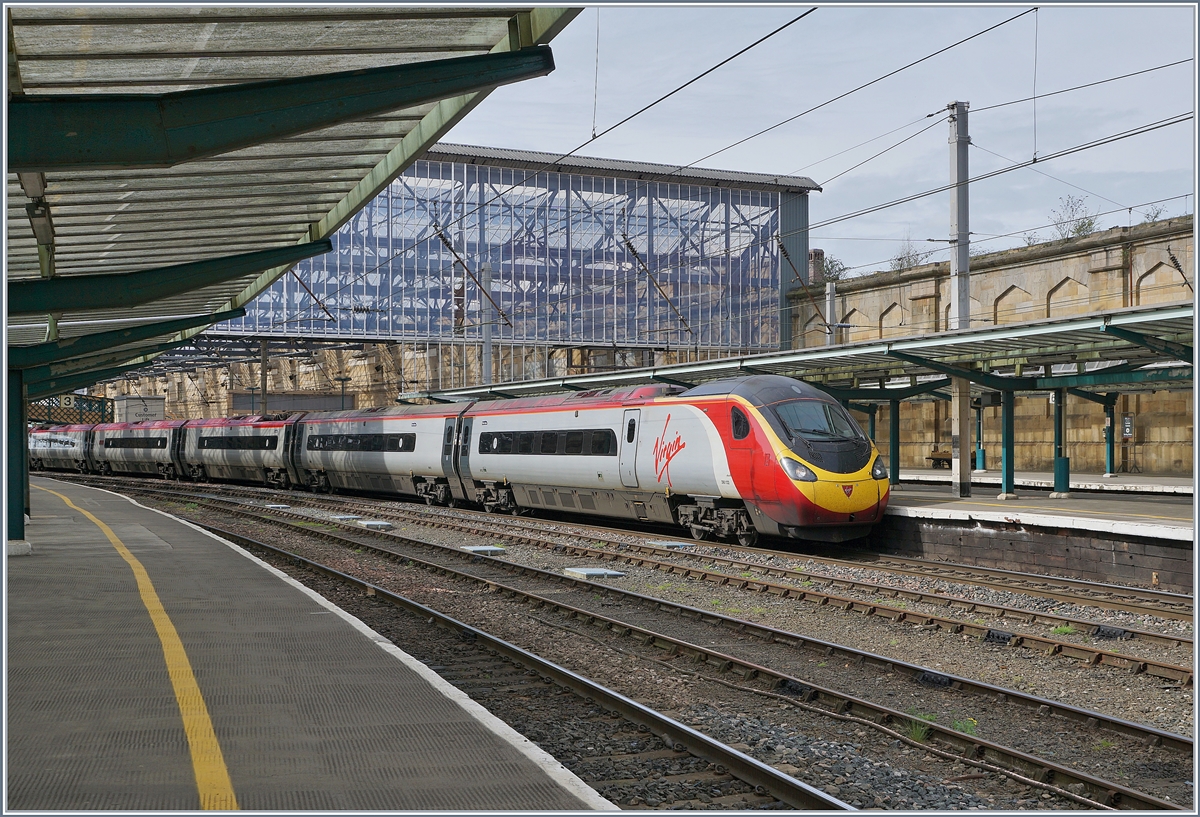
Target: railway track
[(633, 753), (959, 617), (664, 548), (772, 666)]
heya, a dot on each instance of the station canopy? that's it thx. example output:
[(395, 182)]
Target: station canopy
[(170, 163), (1133, 349)]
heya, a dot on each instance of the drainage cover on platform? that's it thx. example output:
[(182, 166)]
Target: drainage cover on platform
[(376, 524), (345, 517), (593, 572), (276, 506), (483, 550)]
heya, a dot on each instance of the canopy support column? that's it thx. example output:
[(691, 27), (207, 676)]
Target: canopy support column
[(1110, 454), (1007, 445), (980, 452), (17, 459), (1062, 463), (894, 441)]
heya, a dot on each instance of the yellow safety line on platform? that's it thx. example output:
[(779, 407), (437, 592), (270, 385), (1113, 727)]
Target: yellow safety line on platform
[(1078, 512), (208, 763)]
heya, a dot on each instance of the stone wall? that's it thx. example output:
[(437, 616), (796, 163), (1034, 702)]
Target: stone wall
[(1121, 267)]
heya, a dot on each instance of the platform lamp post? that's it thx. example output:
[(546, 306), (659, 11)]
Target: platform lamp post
[(343, 380)]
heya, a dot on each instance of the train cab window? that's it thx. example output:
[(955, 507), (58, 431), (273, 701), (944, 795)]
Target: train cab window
[(574, 442), (741, 425), (630, 430), (448, 443), (549, 442), (525, 442), (604, 442)]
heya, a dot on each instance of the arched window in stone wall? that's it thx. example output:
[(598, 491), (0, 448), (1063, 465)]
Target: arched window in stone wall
[(891, 322), (1160, 285), (814, 332), (1014, 305), (858, 327), (1067, 297)]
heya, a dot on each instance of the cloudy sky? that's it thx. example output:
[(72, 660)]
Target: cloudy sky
[(644, 52)]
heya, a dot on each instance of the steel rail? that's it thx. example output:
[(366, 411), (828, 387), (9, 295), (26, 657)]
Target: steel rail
[(1092, 656), (1157, 603), (1149, 734), (677, 735)]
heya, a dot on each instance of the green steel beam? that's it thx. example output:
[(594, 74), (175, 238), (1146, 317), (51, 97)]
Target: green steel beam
[(25, 357), (1180, 351), (982, 378), (1102, 399), (82, 365), (882, 394), (92, 292), (61, 385), (124, 131), (1093, 379)]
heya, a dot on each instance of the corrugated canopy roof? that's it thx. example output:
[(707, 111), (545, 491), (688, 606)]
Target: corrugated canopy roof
[(275, 194)]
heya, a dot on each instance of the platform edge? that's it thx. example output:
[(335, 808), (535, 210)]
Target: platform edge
[(589, 797)]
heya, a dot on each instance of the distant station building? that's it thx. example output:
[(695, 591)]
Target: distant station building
[(593, 264)]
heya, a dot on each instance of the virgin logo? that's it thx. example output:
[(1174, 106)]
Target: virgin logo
[(847, 490), (665, 451)]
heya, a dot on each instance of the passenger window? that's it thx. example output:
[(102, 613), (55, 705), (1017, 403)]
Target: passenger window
[(741, 425), (574, 442), (549, 442), (448, 444), (629, 432), (525, 442), (603, 442)]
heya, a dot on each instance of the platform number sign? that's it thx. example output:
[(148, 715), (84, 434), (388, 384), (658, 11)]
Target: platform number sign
[(1126, 426)]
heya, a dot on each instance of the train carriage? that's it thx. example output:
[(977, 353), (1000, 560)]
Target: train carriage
[(240, 449), (144, 447), (60, 448), (392, 450), (730, 459)]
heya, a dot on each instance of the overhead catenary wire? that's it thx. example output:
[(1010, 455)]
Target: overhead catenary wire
[(610, 129), (872, 209)]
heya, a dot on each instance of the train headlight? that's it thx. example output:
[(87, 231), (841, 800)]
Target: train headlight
[(797, 470), (879, 470)]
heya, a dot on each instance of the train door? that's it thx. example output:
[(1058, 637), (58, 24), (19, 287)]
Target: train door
[(629, 438), (464, 460), (741, 446), (448, 448)]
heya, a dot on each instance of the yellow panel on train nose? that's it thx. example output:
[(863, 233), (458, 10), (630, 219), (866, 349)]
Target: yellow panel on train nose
[(850, 496)]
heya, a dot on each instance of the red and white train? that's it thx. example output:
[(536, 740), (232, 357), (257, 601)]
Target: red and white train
[(731, 459)]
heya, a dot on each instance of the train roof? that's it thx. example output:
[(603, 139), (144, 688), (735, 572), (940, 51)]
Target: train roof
[(590, 398), (61, 429), (271, 420), (140, 425), (760, 389)]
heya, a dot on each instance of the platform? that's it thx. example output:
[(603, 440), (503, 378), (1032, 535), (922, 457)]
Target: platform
[(1157, 516), (287, 702), (1118, 483)]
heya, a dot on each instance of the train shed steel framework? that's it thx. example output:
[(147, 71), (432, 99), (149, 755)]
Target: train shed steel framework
[(166, 164), (1092, 358), (579, 251)]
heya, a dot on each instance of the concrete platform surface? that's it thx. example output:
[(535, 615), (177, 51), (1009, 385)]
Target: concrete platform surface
[(1119, 483), (175, 672), (1158, 516)]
